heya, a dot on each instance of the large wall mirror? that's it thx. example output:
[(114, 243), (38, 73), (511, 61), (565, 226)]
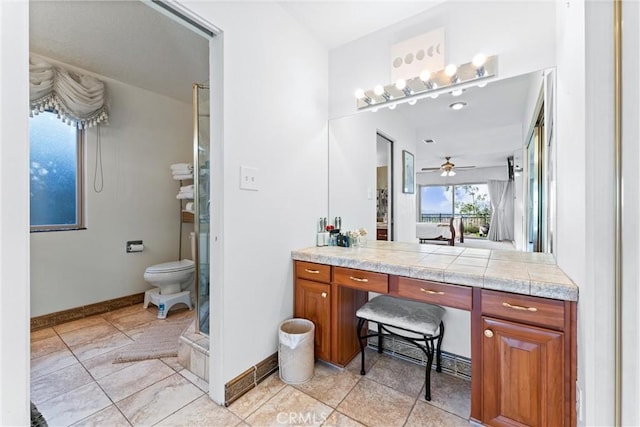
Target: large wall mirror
[(502, 182)]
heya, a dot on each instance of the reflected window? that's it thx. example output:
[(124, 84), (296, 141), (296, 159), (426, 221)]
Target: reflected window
[(439, 203), (56, 165)]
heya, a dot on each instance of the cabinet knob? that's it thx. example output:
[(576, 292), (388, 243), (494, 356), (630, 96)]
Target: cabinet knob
[(488, 333), (324, 295)]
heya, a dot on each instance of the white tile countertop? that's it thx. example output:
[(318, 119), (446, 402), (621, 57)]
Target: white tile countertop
[(525, 273)]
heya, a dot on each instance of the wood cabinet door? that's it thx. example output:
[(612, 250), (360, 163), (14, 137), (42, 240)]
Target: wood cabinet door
[(522, 375), (313, 302)]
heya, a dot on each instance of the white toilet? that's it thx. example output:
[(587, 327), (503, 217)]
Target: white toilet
[(173, 282)]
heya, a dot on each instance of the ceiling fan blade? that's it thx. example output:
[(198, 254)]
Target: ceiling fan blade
[(431, 169), (464, 167)]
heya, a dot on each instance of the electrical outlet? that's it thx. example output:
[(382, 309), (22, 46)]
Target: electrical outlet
[(248, 178)]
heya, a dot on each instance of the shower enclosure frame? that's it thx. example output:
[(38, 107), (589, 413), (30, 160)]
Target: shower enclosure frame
[(202, 197)]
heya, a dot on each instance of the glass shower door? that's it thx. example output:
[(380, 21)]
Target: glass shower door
[(202, 202)]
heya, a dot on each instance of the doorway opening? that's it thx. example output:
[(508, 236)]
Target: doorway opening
[(384, 188)]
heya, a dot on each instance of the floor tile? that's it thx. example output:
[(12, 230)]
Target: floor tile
[(338, 419), (290, 407), (424, 414), (75, 405), (102, 365), (46, 345), (125, 311), (450, 393), (202, 412), (42, 334), (125, 323), (400, 375), (52, 362), (195, 380), (370, 358), (134, 378), (103, 345), (59, 382), (110, 417), (253, 399), (329, 384), (89, 334), (374, 404), (159, 400), (173, 363), (80, 324)]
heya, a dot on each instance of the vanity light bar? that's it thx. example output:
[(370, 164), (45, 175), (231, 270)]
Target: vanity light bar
[(440, 81)]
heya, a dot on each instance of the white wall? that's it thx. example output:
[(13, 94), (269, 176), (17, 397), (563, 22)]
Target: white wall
[(352, 171), (631, 213), (275, 119), (146, 133), (14, 213), (521, 33)]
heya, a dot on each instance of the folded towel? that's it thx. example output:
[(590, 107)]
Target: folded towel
[(189, 206), (187, 188), (184, 196), (182, 167), (181, 177)]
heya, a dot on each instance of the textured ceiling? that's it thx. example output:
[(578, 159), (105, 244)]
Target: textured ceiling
[(124, 40)]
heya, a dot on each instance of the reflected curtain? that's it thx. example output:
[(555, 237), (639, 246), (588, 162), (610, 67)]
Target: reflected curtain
[(501, 195), (78, 99)]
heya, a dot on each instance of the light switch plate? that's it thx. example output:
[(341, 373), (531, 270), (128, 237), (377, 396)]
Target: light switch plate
[(248, 178)]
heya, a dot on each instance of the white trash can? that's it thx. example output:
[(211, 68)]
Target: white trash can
[(295, 351)]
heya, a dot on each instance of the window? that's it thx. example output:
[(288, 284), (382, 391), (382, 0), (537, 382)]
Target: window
[(470, 202), (56, 174)]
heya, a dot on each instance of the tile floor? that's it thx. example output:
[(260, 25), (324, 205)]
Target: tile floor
[(74, 382)]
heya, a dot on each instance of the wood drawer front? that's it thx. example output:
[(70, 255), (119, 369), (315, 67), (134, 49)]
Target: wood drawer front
[(363, 280), (433, 292), (523, 308), (312, 271)]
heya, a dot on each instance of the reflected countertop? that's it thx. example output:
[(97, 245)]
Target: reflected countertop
[(524, 273)]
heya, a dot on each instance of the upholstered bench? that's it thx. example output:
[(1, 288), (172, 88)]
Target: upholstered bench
[(405, 317)]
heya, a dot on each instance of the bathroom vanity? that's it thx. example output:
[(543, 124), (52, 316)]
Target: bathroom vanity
[(523, 317)]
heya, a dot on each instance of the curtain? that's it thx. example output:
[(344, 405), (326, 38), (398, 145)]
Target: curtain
[(501, 195), (79, 100)]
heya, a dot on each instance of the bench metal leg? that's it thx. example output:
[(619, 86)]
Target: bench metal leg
[(380, 339), (438, 352), (360, 337)]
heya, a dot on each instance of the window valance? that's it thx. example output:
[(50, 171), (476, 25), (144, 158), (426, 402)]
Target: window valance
[(78, 99)]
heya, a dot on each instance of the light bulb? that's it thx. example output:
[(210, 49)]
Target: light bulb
[(412, 101), (425, 75), (451, 70), (479, 60), (456, 92), (392, 106), (374, 110), (458, 105), (444, 173), (483, 84), (401, 84), (378, 90), (452, 173), (359, 94), (434, 96)]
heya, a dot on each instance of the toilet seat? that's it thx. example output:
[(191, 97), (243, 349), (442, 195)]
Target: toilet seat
[(171, 267)]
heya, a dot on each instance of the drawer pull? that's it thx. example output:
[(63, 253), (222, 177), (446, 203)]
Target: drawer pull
[(429, 291), (358, 279), (312, 271), (519, 307), (488, 333), (324, 295)]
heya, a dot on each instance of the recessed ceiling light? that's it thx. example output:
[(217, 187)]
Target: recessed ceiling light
[(429, 141), (458, 105)]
